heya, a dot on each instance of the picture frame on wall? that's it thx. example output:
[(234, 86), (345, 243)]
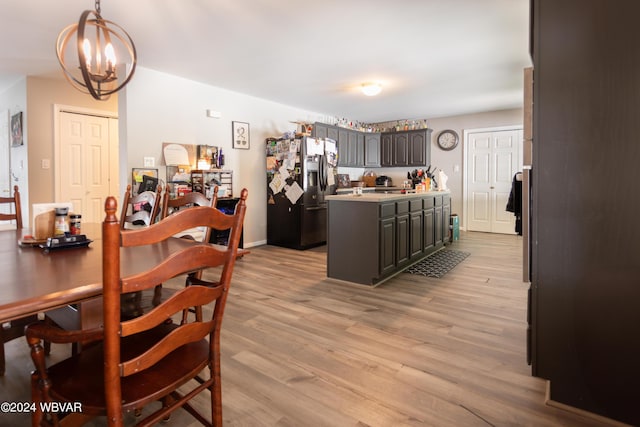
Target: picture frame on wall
[(240, 135), (16, 130)]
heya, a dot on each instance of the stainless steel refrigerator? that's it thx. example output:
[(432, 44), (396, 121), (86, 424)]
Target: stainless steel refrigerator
[(300, 173)]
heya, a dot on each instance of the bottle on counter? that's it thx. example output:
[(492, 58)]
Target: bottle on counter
[(221, 159), (61, 226), (75, 223)]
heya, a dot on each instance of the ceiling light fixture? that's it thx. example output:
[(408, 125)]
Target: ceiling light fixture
[(371, 89), (96, 54)]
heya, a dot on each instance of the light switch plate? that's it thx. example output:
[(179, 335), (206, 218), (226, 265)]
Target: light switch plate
[(149, 162)]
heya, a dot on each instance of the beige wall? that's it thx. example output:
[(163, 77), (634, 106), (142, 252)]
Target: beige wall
[(447, 160), (42, 95)]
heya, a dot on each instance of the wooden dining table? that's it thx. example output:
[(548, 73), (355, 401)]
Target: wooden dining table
[(34, 281)]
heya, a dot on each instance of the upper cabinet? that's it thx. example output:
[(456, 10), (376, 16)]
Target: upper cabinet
[(351, 143), (388, 149), (372, 150), (406, 148)]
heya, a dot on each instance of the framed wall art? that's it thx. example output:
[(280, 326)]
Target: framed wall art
[(16, 130), (240, 134)]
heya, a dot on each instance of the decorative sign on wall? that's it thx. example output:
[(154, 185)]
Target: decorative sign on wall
[(16, 130), (240, 135)]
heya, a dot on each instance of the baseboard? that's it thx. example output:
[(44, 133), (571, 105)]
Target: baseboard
[(248, 245), (599, 418)]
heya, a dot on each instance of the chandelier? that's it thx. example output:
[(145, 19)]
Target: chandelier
[(97, 42)]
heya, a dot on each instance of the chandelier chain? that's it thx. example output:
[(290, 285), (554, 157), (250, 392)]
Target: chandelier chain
[(98, 6)]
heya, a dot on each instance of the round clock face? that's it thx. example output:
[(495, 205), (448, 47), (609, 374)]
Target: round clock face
[(447, 140)]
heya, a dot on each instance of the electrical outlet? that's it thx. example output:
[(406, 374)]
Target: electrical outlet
[(149, 162)]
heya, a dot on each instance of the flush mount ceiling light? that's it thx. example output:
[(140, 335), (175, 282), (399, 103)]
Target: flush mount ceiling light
[(371, 89), (98, 40)]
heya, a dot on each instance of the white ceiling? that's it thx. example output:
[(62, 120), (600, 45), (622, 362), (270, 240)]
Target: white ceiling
[(434, 57)]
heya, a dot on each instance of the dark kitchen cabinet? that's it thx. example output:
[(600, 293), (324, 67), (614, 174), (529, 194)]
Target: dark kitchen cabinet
[(406, 148), (446, 215), (372, 150), (402, 236), (417, 147), (371, 242), (386, 149), (387, 245), (438, 220), (585, 266), (321, 130), (415, 227), (401, 149), (428, 221)]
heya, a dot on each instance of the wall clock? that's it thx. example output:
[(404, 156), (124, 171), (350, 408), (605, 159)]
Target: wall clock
[(448, 139)]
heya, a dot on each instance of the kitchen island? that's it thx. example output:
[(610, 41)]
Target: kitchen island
[(374, 236)]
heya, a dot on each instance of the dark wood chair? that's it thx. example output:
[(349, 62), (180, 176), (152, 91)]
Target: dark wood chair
[(14, 329), (138, 211), (142, 209), (170, 206), (17, 210), (136, 362)]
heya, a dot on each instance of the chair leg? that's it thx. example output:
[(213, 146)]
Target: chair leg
[(2, 363), (36, 398)]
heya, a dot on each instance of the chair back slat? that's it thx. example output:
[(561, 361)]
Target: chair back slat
[(185, 298), (173, 224), (188, 333), (17, 208)]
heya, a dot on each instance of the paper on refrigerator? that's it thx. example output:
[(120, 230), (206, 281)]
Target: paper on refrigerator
[(315, 146), (293, 192), (277, 183)]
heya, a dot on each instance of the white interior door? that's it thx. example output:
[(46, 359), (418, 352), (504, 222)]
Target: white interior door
[(493, 158), (84, 163)]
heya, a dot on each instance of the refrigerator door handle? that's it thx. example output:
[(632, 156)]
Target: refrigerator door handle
[(316, 208), (325, 167), (321, 181)]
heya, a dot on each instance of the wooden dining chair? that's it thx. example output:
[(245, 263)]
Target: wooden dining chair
[(140, 210), (14, 205), (14, 329), (192, 199), (202, 234), (136, 362)]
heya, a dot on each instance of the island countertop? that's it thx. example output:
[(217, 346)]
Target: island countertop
[(377, 197)]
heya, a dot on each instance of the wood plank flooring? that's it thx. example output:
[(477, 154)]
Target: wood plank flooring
[(299, 349)]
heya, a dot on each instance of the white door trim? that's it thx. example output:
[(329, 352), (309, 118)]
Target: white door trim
[(465, 162), (57, 110)]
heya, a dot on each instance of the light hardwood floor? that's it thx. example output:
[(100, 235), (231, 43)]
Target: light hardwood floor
[(299, 349)]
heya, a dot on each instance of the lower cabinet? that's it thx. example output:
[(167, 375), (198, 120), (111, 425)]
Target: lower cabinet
[(387, 232), (370, 242)]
